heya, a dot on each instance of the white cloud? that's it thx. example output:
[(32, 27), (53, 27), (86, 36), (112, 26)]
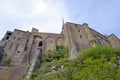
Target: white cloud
[(46, 15), (39, 7), (7, 10)]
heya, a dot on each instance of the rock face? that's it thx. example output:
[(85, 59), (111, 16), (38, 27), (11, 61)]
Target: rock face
[(26, 47), (13, 73)]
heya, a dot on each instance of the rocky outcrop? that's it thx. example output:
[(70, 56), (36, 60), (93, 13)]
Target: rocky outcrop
[(13, 73)]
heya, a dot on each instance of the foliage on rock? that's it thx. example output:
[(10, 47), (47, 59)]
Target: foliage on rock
[(99, 63), (7, 62)]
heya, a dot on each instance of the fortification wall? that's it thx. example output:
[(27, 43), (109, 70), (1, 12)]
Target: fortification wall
[(24, 46), (100, 39), (114, 40)]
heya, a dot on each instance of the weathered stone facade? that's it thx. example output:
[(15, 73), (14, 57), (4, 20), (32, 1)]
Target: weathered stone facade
[(27, 47), (78, 37)]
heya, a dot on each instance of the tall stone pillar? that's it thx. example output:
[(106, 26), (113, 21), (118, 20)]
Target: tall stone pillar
[(89, 35), (29, 48)]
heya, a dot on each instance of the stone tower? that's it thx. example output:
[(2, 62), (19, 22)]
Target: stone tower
[(78, 37)]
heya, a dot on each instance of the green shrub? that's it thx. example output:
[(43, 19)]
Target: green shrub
[(7, 62), (34, 75), (60, 53), (96, 53)]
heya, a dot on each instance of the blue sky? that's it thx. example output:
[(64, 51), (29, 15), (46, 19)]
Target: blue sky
[(46, 15)]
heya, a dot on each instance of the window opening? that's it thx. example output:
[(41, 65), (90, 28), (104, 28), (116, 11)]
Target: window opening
[(9, 34), (7, 37), (40, 44), (81, 36), (10, 46), (18, 38), (16, 47), (25, 49), (14, 37)]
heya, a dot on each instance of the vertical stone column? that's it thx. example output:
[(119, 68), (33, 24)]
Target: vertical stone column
[(34, 59), (29, 47), (70, 41), (89, 35), (35, 54)]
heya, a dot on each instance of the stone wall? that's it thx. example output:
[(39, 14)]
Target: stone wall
[(24, 46), (79, 37), (100, 39), (114, 40), (76, 38)]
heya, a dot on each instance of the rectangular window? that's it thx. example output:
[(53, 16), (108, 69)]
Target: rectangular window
[(18, 38), (25, 49), (9, 33), (10, 47), (7, 37), (5, 45), (17, 47)]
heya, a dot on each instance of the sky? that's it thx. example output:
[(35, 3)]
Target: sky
[(47, 15)]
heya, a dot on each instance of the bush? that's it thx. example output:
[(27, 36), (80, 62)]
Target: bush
[(60, 53), (99, 63), (34, 75), (7, 62), (96, 53)]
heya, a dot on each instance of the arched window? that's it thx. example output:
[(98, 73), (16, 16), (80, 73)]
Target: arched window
[(60, 41), (49, 44), (40, 44)]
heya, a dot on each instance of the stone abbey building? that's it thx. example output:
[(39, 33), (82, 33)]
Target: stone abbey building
[(27, 47)]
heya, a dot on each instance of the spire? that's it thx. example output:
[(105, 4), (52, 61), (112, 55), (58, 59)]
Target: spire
[(62, 23), (62, 20)]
